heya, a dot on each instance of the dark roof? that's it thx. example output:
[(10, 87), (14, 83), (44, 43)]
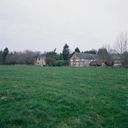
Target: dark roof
[(86, 56), (40, 56)]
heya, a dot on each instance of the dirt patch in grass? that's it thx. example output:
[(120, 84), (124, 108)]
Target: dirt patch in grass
[(3, 97)]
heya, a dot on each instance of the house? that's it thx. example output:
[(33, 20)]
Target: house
[(82, 59), (40, 60)]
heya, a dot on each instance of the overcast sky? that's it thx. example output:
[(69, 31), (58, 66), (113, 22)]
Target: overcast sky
[(47, 24)]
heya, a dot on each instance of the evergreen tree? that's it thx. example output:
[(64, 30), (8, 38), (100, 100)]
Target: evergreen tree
[(1, 60), (77, 50), (66, 52), (4, 54)]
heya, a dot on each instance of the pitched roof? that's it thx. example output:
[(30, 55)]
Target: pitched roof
[(86, 56)]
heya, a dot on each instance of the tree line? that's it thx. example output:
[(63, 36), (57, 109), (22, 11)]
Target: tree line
[(62, 59), (28, 57)]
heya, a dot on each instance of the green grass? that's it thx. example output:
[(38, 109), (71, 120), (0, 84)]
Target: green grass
[(62, 97)]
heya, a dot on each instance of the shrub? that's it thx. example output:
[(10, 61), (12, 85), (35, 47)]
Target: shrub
[(124, 59), (61, 63)]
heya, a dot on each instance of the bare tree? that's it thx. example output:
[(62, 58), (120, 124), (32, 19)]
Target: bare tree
[(126, 43), (108, 47), (26, 57), (122, 48), (121, 45)]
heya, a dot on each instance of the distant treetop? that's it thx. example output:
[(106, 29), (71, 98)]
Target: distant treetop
[(77, 50), (91, 52)]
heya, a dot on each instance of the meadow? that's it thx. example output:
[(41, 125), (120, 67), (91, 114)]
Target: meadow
[(63, 97)]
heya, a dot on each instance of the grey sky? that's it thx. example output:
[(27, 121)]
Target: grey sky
[(47, 24)]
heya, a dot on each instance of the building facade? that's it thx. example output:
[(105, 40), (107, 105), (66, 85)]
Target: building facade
[(81, 59), (40, 61)]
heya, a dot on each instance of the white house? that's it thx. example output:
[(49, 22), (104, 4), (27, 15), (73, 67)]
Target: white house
[(40, 60)]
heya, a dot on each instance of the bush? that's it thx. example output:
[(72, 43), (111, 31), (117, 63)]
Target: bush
[(109, 63), (61, 63), (50, 61), (124, 59)]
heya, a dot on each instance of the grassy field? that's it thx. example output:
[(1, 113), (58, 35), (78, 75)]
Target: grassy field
[(62, 97)]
